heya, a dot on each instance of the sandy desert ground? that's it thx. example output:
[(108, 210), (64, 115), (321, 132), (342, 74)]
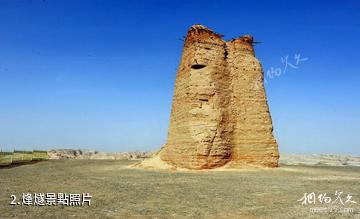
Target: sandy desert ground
[(120, 192)]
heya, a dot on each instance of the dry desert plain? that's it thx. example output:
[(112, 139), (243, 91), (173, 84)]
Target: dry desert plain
[(121, 192)]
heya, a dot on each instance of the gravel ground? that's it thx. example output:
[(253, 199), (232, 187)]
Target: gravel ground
[(120, 192)]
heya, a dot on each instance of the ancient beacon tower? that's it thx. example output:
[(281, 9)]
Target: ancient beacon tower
[(220, 114)]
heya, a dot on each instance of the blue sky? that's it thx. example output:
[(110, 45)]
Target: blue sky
[(100, 74)]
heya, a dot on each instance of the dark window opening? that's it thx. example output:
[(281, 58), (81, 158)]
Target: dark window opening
[(198, 66), (204, 100)]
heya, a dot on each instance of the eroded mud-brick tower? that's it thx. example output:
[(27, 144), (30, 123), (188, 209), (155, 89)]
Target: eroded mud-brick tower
[(220, 114)]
